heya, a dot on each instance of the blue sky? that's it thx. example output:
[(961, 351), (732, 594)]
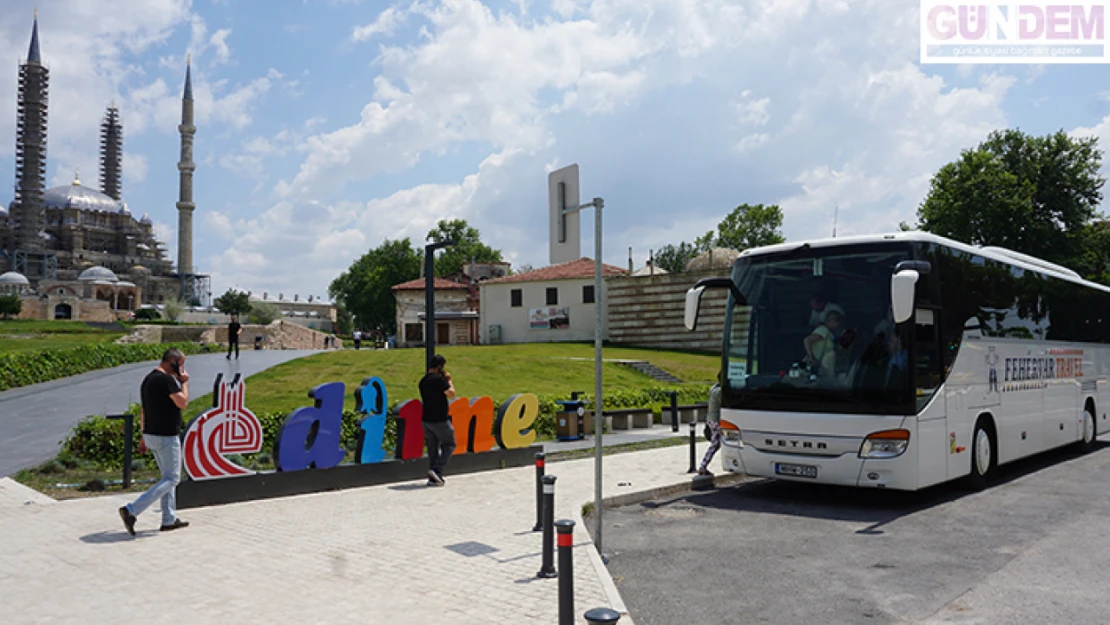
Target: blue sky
[(325, 127)]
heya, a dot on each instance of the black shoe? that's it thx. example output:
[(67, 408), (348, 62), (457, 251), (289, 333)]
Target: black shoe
[(128, 520), (229, 356), (178, 524), (435, 477)]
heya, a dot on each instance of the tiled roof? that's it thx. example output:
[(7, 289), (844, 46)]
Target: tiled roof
[(573, 270), (418, 285)]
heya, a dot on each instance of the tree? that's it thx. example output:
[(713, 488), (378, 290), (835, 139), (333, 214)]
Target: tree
[(365, 289), (342, 320), (173, 309), (747, 226), (1034, 195), (674, 258), (10, 305), (264, 313), (233, 302), (468, 246)]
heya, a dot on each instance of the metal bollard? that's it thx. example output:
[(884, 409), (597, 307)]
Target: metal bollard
[(693, 447), (566, 565), (674, 411), (128, 433), (602, 616), (547, 570), (539, 491)]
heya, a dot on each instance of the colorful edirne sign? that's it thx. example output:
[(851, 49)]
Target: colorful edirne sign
[(226, 428), (310, 436)]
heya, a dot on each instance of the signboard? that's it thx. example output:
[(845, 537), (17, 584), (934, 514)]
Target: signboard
[(565, 237), (550, 318), (226, 428)]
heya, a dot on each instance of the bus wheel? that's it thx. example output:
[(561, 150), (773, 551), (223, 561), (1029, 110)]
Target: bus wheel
[(983, 462), (1087, 442)]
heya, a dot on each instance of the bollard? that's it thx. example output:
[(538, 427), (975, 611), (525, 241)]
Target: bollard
[(566, 578), (539, 491), (674, 411), (547, 570), (602, 616), (128, 433), (693, 447)]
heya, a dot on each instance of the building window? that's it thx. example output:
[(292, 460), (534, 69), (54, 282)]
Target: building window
[(588, 294), (414, 332), (516, 298), (553, 296)]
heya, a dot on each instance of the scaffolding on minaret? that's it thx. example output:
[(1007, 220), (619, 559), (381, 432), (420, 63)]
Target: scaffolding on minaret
[(111, 154)]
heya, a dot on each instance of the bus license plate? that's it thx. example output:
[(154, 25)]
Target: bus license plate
[(796, 470)]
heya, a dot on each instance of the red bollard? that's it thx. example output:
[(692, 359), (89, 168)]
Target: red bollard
[(566, 571), (539, 491)]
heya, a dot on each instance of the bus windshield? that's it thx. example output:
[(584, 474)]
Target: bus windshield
[(817, 333)]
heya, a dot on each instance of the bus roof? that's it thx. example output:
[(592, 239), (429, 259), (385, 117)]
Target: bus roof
[(994, 253)]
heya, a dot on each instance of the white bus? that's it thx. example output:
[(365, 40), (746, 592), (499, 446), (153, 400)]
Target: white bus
[(933, 360)]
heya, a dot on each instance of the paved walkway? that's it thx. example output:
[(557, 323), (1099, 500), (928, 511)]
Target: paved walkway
[(403, 553), (35, 419)]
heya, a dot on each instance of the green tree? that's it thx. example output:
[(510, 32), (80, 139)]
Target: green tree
[(233, 302), (468, 246), (365, 289), (10, 305), (673, 258), (1035, 195), (264, 313), (172, 309), (747, 226), (343, 321)]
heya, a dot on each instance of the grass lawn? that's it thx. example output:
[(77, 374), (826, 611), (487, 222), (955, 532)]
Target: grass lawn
[(19, 335), (497, 371)]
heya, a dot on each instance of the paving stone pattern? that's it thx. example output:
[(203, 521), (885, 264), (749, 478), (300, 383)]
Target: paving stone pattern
[(402, 553)]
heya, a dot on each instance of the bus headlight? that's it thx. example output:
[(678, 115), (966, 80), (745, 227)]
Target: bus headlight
[(885, 444), (730, 434)]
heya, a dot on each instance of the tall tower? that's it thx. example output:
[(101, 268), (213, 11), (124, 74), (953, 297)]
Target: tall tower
[(111, 154), (30, 154), (185, 166)]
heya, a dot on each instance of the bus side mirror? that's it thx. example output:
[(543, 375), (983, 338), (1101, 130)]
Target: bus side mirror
[(693, 303), (901, 294)]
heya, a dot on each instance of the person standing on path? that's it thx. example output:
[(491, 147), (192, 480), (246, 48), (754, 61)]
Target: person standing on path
[(712, 426), (165, 393), (233, 331), (436, 391)]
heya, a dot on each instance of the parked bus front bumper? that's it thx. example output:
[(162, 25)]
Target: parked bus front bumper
[(845, 469)]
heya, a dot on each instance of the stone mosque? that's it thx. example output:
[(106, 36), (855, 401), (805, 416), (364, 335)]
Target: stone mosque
[(75, 252)]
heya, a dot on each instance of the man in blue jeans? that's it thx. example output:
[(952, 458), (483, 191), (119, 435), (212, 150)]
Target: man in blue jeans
[(165, 393), (436, 393)]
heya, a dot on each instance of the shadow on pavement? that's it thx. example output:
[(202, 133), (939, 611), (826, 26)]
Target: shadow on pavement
[(842, 503), (107, 538)]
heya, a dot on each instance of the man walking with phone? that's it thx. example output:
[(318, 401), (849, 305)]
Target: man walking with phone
[(165, 393), (436, 391)]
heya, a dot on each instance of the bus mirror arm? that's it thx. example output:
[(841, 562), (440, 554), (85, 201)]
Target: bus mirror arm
[(693, 297), (922, 267)]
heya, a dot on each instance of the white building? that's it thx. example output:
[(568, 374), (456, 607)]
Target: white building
[(555, 303), (456, 319)]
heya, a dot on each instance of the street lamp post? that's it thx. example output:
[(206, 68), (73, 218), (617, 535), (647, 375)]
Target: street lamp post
[(430, 300), (599, 419)]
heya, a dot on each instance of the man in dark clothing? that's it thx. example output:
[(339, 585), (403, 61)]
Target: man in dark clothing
[(436, 391), (165, 393), (233, 331)]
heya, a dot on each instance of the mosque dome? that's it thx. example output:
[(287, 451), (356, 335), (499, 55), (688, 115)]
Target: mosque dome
[(123, 209), (77, 196), (716, 258), (13, 278), (98, 274), (145, 219)]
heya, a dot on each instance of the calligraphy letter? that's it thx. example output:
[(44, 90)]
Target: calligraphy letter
[(474, 421), (410, 430), (310, 435), (513, 427), (370, 399)]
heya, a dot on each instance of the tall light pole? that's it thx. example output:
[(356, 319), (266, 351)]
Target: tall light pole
[(430, 300), (599, 420)]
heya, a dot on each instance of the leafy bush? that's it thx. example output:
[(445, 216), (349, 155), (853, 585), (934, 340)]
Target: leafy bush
[(147, 314), (264, 313), (10, 305), (24, 368)]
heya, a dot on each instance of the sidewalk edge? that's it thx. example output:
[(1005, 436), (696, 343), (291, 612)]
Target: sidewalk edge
[(628, 499), (613, 595)]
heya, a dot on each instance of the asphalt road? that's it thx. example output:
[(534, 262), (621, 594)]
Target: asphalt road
[(35, 419), (1034, 548)]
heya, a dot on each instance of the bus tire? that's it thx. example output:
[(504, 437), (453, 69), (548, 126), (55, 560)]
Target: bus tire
[(984, 455), (1089, 430)]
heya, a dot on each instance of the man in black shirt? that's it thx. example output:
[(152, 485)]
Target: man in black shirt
[(436, 391), (233, 331), (165, 393)]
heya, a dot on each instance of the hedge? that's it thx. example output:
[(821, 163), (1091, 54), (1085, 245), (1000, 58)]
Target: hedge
[(100, 440), (26, 368)]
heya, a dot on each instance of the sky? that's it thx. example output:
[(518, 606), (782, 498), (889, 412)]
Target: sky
[(326, 127)]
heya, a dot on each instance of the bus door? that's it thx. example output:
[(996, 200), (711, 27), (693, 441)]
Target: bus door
[(931, 415)]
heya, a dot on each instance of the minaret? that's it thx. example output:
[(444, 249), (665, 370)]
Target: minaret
[(111, 154), (30, 148), (186, 167)]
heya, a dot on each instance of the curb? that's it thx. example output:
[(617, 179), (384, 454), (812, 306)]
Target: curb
[(607, 584)]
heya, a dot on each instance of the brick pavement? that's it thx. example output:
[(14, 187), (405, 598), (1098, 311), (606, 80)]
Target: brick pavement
[(400, 553)]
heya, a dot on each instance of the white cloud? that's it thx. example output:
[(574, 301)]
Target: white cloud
[(386, 22), (135, 168), (219, 42)]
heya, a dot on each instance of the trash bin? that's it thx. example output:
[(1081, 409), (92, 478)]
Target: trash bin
[(566, 421), (258, 342)]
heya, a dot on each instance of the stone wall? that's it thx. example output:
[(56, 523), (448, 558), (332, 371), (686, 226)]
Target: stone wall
[(35, 307), (648, 311), (278, 335)]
